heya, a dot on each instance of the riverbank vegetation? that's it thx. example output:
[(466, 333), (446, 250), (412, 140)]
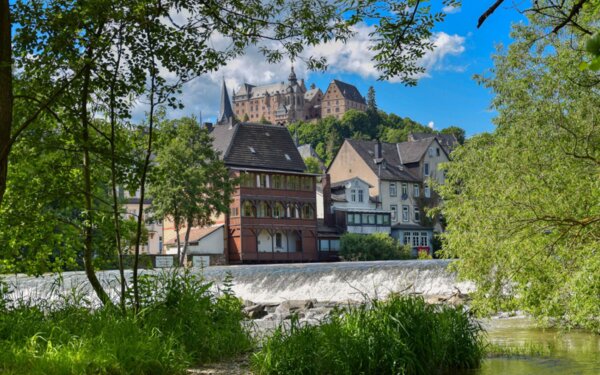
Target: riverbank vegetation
[(181, 324), (523, 203), (378, 246), (397, 336)]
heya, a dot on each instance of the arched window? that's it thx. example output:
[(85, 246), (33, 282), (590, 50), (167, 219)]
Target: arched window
[(278, 211), (263, 210), (292, 211), (248, 209), (307, 212)]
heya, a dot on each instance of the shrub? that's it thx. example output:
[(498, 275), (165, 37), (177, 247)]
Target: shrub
[(378, 246), (182, 324), (400, 336)]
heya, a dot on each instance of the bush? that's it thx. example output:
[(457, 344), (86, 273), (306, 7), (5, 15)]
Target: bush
[(400, 336), (181, 324), (378, 246)]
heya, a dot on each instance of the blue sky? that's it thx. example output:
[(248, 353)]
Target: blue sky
[(446, 96), (449, 96)]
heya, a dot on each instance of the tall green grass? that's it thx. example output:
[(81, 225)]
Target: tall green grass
[(182, 324), (399, 336)]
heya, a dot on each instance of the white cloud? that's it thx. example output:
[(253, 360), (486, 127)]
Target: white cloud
[(449, 9), (202, 95), (431, 125)]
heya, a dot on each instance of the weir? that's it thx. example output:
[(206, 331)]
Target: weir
[(274, 283)]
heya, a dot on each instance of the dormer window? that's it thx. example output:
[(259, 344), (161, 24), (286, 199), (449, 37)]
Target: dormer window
[(360, 196), (430, 152), (353, 195), (437, 151), (252, 150), (287, 157)]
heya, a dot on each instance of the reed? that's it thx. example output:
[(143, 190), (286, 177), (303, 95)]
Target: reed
[(402, 335)]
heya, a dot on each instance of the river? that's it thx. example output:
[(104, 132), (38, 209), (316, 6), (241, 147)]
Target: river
[(567, 353)]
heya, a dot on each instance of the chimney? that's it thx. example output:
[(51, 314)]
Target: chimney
[(328, 218), (378, 149)]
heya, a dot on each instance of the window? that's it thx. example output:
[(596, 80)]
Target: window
[(307, 212), (406, 238), (417, 215), (430, 151), (235, 212), (379, 219), (350, 219), (393, 191), (252, 150), (424, 239), (278, 210), (437, 151), (334, 245), (427, 191), (248, 180), (404, 213), (248, 209), (263, 210), (360, 196), (393, 209), (324, 245), (293, 182), (415, 239), (386, 219), (287, 157), (426, 169), (278, 182), (262, 180), (353, 195), (416, 190), (278, 240), (307, 183), (404, 190), (293, 212)]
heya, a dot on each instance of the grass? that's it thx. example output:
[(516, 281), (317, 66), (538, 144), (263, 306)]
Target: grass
[(181, 324), (519, 350), (402, 335)]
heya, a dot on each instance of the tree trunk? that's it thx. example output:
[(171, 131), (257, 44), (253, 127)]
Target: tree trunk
[(186, 241), (177, 228), (113, 176), (6, 92), (88, 253), (138, 239)]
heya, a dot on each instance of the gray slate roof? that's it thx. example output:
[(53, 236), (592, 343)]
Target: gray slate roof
[(270, 144), (448, 141), (349, 91), (413, 151), (391, 169)]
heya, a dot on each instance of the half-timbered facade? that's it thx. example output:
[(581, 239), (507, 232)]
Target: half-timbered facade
[(272, 216)]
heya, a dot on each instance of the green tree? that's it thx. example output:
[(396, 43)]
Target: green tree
[(371, 102), (522, 203), (378, 246), (189, 183), (459, 133), (313, 165)]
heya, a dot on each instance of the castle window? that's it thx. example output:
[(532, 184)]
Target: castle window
[(248, 209)]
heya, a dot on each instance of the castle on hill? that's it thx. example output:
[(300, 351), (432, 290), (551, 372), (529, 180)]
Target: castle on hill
[(284, 103)]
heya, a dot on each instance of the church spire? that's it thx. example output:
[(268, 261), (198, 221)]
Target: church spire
[(226, 113), (292, 76)]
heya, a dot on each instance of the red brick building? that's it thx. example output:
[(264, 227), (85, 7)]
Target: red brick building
[(273, 214)]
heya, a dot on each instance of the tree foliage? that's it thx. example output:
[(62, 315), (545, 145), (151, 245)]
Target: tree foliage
[(523, 203), (378, 246), (189, 183), (327, 135)]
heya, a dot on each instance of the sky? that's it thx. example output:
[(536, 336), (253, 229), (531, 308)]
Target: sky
[(445, 95)]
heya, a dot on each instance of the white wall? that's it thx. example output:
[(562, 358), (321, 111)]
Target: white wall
[(211, 244)]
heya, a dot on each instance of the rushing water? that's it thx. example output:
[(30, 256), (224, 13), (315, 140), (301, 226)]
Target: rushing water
[(566, 353), (569, 353)]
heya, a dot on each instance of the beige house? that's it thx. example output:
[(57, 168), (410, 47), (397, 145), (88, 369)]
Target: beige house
[(153, 226), (400, 176)]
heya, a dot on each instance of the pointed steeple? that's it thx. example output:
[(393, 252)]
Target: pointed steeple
[(292, 77), (225, 113)]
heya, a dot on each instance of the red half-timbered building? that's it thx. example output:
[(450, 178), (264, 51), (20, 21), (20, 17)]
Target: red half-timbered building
[(272, 216)]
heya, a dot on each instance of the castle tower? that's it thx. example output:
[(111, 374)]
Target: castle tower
[(225, 113)]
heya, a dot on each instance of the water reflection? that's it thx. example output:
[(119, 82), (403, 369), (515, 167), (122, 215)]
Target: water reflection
[(573, 352)]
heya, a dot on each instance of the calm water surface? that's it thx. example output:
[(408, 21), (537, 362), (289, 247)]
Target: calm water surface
[(573, 352)]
